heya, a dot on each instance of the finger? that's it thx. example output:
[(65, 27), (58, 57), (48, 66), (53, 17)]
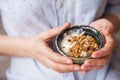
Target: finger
[(55, 31), (54, 56), (58, 67), (97, 62), (106, 50), (88, 68), (66, 68)]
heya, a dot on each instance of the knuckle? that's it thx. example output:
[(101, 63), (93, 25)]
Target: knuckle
[(91, 62), (54, 66), (64, 68), (59, 59), (50, 33), (58, 68), (56, 58), (67, 69)]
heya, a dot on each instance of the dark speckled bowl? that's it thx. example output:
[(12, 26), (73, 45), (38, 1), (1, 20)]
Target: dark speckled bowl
[(78, 29)]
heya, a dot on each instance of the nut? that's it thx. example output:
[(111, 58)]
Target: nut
[(82, 45)]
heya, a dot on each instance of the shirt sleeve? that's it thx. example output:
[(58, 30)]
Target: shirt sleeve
[(113, 7)]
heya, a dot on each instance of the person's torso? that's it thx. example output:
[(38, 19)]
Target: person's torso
[(24, 18)]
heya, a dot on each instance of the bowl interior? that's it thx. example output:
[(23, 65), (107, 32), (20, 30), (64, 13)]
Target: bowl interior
[(78, 30)]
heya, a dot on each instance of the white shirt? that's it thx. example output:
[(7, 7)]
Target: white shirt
[(25, 18)]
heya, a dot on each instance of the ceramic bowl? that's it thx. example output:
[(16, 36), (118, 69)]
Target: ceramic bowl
[(89, 31)]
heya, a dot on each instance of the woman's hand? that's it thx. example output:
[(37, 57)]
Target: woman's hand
[(46, 56), (101, 57), (36, 47)]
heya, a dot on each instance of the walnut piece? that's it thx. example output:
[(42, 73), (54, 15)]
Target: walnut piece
[(83, 45)]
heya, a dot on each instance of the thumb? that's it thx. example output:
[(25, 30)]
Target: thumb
[(53, 32)]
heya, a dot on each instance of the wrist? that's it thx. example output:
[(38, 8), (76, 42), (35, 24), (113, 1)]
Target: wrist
[(27, 47), (24, 47), (11, 46)]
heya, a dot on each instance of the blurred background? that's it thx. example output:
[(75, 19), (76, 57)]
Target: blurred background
[(4, 61)]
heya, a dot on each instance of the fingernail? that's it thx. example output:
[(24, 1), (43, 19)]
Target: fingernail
[(93, 55), (69, 62), (76, 68)]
